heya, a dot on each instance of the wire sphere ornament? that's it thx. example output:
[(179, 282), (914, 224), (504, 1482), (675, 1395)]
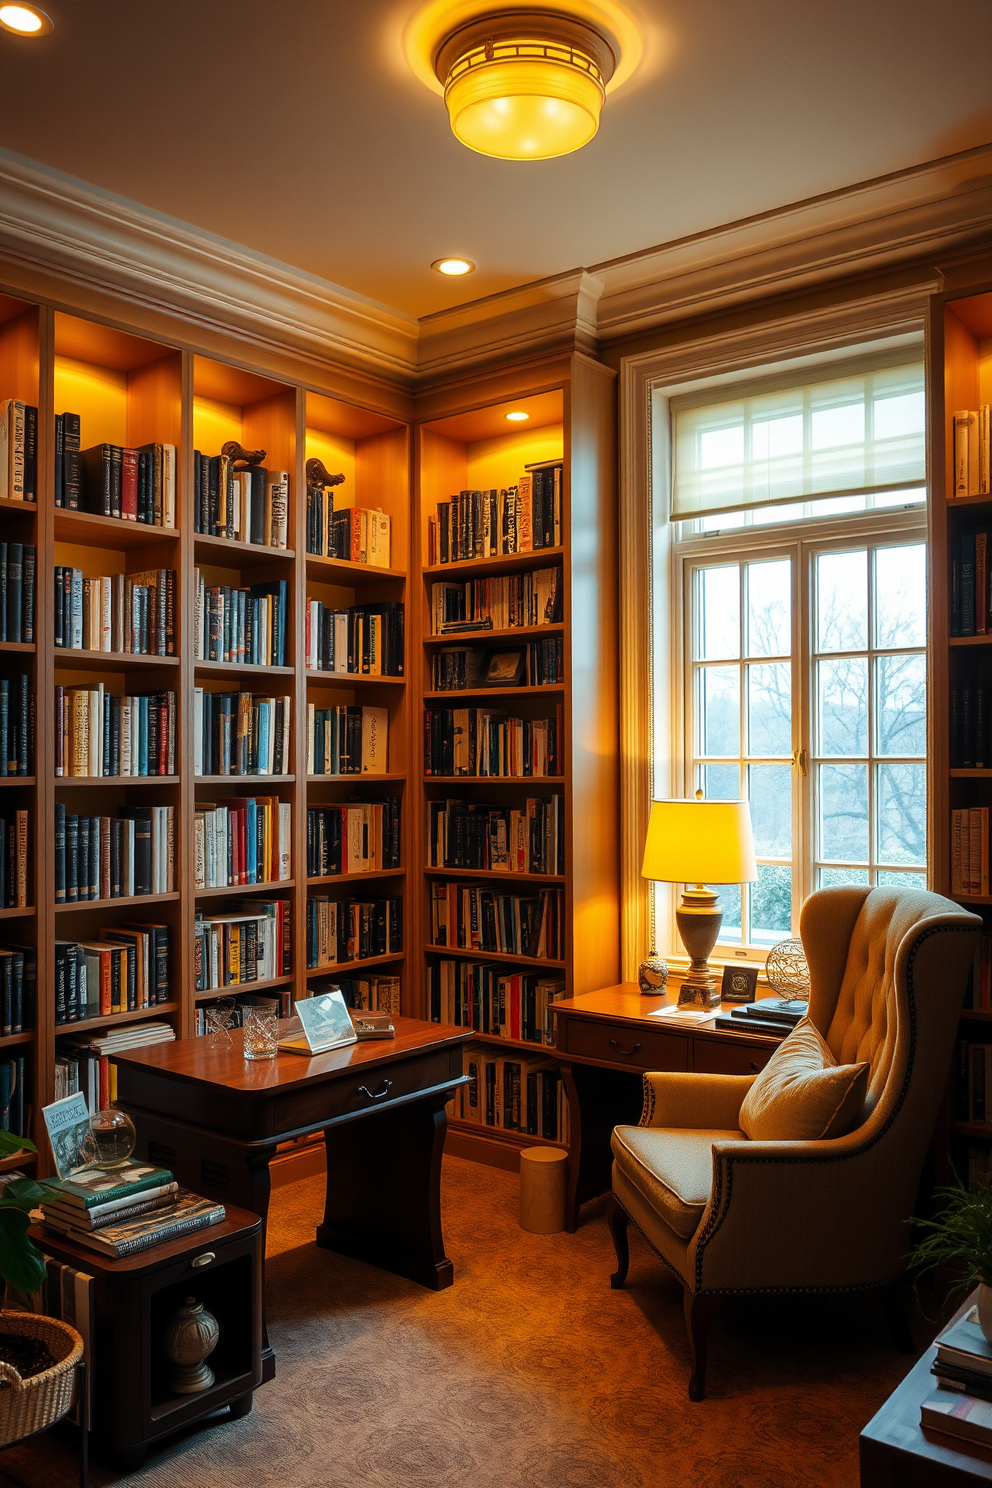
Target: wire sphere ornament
[(787, 970)]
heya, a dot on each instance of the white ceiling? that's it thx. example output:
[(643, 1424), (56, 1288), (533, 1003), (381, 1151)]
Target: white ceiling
[(296, 128)]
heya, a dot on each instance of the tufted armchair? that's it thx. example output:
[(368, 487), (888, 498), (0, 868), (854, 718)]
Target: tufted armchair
[(888, 968)]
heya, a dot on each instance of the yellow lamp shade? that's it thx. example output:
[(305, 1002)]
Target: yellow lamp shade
[(524, 100), (699, 842)]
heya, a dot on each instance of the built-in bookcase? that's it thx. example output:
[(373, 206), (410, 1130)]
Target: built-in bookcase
[(131, 391), (960, 379), (470, 445)]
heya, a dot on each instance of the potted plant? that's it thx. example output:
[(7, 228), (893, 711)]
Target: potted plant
[(961, 1237), (38, 1355)]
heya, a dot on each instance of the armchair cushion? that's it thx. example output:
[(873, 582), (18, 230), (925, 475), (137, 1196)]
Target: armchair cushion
[(803, 1094), (671, 1169)]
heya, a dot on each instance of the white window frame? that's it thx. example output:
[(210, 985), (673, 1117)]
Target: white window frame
[(651, 709), (800, 542)]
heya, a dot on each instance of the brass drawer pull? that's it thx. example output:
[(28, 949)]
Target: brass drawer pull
[(625, 1052), (204, 1259), (387, 1086)]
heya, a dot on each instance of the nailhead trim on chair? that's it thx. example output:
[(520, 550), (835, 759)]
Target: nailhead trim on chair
[(647, 1110)]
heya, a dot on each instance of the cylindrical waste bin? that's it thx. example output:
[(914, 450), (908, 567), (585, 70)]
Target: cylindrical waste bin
[(543, 1183)]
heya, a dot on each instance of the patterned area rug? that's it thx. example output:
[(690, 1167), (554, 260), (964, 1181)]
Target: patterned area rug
[(528, 1373)]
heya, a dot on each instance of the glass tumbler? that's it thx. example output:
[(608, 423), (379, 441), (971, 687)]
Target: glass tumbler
[(261, 1030)]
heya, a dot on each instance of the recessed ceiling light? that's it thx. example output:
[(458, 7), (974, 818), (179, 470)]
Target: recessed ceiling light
[(453, 266), (25, 20), (518, 417)]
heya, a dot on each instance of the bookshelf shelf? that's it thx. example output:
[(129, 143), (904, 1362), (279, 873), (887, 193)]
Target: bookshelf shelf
[(973, 1014), (532, 780), (17, 912), (501, 874), (117, 780), (498, 563), (15, 780), (336, 878), (353, 779), (11, 504), (975, 640), (325, 570), (970, 774), (957, 503), (255, 888), (244, 779), (499, 1041), (268, 985), (26, 648), (69, 659), (11, 1040), (89, 530), (103, 1020), (503, 956), (17, 1160), (129, 902), (215, 549), (351, 679), (972, 1129), (240, 669), (551, 689), (336, 968), (483, 637)]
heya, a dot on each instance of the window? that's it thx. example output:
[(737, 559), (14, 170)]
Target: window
[(795, 533)]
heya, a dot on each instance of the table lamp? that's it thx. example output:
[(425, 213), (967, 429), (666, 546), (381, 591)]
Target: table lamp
[(696, 843)]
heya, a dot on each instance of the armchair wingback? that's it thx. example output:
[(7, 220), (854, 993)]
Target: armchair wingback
[(888, 968)]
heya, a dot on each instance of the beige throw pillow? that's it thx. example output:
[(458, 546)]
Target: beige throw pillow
[(802, 1093)]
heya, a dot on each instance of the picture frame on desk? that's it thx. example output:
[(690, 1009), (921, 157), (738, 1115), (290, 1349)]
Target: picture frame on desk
[(740, 984)]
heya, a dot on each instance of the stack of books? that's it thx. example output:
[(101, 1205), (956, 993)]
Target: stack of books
[(961, 1406), (83, 1062), (122, 1210), (249, 506), (770, 1015)]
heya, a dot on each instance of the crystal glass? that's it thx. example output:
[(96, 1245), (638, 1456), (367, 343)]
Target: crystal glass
[(113, 1136), (261, 1029), (220, 1020)]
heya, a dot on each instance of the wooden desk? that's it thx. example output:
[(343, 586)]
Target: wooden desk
[(216, 1120), (896, 1451), (607, 1041)]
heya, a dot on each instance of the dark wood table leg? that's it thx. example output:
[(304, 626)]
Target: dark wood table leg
[(384, 1191), (599, 1099)]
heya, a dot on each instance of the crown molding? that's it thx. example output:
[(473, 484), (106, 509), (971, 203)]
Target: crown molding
[(57, 231), (54, 222)]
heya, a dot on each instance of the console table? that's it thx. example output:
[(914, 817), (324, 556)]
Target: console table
[(606, 1042), (216, 1119)]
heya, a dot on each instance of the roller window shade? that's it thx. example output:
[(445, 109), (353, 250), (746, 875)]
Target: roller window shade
[(833, 436)]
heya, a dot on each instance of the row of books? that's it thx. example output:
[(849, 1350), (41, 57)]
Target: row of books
[(971, 716), (979, 992), (355, 533), (374, 994), (14, 835), (970, 850), (83, 1063), (124, 613), (365, 640), (251, 942), (114, 857), (135, 1210), (971, 583), (246, 505), (98, 732), (479, 919), (18, 450), (505, 602), (240, 625), (493, 1000), (347, 740), (960, 1408), (971, 451), (498, 839), (15, 1095), (486, 741), (244, 840), (240, 733), (18, 988), (463, 668), (16, 725), (18, 564), (128, 967), (517, 519), (358, 837), (111, 480), (513, 1092), (342, 930)]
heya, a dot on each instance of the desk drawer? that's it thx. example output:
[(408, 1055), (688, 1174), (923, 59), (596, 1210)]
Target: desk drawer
[(619, 1043), (375, 1087), (711, 1058)]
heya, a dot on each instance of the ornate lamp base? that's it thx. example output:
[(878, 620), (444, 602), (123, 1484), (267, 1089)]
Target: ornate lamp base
[(652, 975), (699, 918)]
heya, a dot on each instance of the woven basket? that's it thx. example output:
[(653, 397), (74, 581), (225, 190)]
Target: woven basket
[(33, 1404)]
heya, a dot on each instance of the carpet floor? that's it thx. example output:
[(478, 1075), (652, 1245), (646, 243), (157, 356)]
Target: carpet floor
[(528, 1373)]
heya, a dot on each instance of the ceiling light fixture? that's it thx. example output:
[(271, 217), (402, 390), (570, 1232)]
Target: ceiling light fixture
[(453, 266), (25, 20), (518, 416)]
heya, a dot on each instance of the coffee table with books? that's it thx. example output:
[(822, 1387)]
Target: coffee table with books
[(139, 1249), (935, 1429)]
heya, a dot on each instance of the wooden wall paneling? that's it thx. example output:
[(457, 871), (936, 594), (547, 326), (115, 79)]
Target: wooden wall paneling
[(299, 593)]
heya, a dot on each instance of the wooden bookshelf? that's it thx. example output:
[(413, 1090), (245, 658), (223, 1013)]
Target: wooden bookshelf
[(463, 442), (960, 377)]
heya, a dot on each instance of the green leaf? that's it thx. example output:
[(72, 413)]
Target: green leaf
[(24, 1193), (21, 1262), (9, 1144)]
